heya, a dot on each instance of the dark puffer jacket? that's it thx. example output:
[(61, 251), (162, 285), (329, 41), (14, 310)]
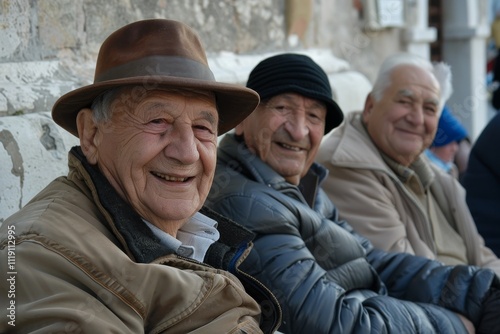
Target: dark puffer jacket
[(482, 183), (327, 278)]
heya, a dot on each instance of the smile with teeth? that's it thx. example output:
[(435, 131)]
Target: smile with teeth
[(170, 178), (293, 148)]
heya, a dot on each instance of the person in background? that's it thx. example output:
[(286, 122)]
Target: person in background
[(123, 243), (495, 36), (482, 183), (327, 278), (380, 179), (444, 148), (462, 157)]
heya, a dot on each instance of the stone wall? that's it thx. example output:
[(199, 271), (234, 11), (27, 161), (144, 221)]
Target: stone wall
[(36, 30), (33, 152), (54, 43)]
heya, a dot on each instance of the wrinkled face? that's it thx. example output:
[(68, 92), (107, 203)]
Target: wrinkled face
[(159, 153), (446, 152), (285, 132), (403, 123)]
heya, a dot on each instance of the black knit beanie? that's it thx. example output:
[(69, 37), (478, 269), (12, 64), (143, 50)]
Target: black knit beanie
[(295, 73)]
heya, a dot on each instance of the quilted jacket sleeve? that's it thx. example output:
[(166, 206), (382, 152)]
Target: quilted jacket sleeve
[(458, 288)]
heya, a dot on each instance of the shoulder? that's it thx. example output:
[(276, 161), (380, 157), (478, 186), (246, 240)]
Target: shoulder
[(59, 215), (349, 146), (253, 205)]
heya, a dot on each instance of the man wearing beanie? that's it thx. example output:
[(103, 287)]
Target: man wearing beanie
[(327, 278), (444, 148), (381, 180)]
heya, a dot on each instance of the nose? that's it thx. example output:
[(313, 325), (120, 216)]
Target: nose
[(416, 115), (296, 126), (182, 145)]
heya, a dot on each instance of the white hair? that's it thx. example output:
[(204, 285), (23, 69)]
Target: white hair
[(101, 106), (441, 71)]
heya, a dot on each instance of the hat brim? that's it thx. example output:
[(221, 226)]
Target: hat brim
[(234, 103), (334, 116)]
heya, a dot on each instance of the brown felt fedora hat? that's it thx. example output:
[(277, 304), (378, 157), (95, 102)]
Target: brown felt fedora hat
[(153, 54)]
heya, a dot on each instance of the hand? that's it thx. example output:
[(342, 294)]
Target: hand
[(490, 317)]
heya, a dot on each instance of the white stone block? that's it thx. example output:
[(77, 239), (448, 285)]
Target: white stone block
[(33, 152), (350, 90)]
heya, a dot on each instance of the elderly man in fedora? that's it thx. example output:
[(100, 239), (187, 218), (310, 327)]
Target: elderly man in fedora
[(123, 244)]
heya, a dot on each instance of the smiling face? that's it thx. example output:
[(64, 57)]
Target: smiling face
[(402, 124), (159, 152), (285, 132)]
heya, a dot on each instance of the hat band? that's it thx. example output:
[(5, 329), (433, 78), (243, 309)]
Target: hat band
[(158, 66)]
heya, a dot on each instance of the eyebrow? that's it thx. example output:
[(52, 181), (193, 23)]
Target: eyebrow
[(408, 93), (210, 117), (405, 92)]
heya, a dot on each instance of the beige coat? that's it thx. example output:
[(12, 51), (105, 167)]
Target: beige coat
[(373, 200), (77, 271)]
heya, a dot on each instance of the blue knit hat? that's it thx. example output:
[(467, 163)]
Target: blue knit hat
[(295, 73), (449, 129)]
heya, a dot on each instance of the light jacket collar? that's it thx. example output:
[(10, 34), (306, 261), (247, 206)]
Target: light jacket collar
[(263, 173)]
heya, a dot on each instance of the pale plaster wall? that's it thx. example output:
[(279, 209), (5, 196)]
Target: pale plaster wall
[(33, 152)]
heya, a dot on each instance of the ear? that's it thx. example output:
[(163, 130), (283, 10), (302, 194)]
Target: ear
[(87, 131), (238, 130), (369, 102)]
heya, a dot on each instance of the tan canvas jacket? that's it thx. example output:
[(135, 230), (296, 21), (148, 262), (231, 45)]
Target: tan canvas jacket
[(373, 200), (77, 271)]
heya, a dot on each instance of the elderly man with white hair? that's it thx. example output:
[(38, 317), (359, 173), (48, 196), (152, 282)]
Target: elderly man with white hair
[(384, 185)]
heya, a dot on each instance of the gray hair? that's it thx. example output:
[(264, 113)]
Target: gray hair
[(441, 71), (101, 106)]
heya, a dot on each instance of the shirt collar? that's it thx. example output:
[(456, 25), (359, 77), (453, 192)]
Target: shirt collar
[(446, 166), (419, 169), (193, 238)]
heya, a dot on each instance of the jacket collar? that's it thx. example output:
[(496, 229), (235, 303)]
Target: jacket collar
[(354, 146), (261, 172)]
